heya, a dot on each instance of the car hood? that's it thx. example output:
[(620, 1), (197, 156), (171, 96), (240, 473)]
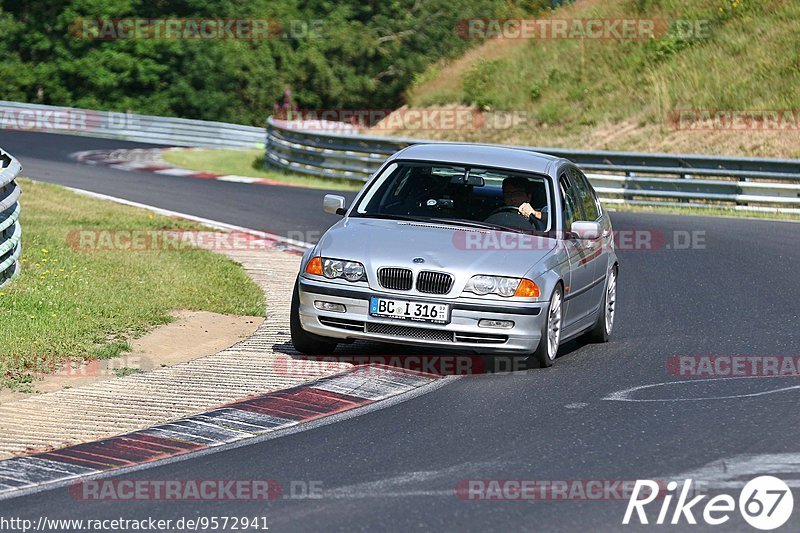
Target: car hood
[(431, 246)]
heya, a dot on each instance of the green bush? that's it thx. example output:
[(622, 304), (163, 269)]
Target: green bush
[(536, 90), (342, 55), (480, 83), (551, 113)]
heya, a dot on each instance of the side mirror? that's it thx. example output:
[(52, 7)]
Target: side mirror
[(334, 204), (587, 230)]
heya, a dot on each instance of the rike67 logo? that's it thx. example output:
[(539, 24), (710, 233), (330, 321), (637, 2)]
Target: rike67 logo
[(765, 503)]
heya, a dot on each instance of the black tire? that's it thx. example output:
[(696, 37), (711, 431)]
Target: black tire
[(601, 331), (543, 356), (304, 342)]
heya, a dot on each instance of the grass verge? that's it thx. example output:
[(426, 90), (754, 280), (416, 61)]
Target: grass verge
[(69, 304), (621, 94), (250, 163)]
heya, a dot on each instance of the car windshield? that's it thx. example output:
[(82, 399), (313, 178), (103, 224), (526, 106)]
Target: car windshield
[(474, 197)]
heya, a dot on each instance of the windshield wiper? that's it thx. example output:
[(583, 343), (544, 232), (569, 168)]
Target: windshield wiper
[(385, 216), (452, 221), (475, 224)]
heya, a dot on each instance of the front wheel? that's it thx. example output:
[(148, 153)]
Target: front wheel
[(547, 350), (303, 341), (608, 308)]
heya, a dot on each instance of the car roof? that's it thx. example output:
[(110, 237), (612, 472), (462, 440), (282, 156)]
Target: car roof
[(479, 155)]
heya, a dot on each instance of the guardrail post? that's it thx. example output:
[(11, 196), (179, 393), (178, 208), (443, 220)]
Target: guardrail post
[(685, 176), (267, 150), (626, 185)]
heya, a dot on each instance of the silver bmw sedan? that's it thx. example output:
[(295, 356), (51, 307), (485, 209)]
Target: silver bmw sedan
[(476, 248)]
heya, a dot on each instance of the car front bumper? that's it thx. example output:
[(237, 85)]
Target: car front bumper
[(461, 333)]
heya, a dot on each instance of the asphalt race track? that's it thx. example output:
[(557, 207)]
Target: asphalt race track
[(45, 156), (395, 469)]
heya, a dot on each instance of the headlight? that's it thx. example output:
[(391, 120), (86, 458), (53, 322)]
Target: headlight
[(501, 286), (332, 268), (482, 284), (353, 271), (349, 270)]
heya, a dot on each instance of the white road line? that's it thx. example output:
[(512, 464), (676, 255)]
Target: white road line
[(177, 172), (132, 165), (733, 472), (409, 484), (206, 221), (625, 395), (239, 179)]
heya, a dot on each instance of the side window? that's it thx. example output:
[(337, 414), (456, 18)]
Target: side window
[(592, 193), (586, 195), (569, 205)]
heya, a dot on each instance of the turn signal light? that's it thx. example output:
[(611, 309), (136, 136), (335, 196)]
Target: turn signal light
[(314, 266), (527, 289)]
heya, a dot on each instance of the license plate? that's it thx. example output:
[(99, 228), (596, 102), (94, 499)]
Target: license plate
[(405, 310)]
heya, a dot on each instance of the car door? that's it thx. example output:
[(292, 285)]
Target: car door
[(578, 300), (595, 250)]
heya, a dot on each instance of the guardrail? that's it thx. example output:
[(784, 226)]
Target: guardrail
[(745, 183), (753, 184), (10, 229), (168, 131)]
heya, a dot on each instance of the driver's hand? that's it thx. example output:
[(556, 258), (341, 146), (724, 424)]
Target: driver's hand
[(526, 210)]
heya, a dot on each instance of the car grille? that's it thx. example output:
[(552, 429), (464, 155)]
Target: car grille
[(341, 323), (434, 282), (397, 279), (481, 338), (410, 332)]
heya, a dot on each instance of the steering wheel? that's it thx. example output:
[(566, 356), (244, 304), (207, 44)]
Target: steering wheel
[(508, 215), (504, 209)]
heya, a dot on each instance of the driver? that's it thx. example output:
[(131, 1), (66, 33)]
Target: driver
[(516, 193)]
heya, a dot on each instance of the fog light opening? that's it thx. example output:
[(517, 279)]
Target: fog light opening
[(330, 306), (495, 324)]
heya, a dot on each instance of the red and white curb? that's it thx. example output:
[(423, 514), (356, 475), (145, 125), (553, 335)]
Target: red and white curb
[(151, 160), (238, 421)]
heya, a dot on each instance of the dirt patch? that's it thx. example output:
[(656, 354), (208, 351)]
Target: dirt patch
[(193, 334)]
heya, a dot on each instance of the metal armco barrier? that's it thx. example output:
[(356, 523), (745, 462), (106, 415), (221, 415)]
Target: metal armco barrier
[(10, 229), (745, 183), (753, 184), (128, 126)]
